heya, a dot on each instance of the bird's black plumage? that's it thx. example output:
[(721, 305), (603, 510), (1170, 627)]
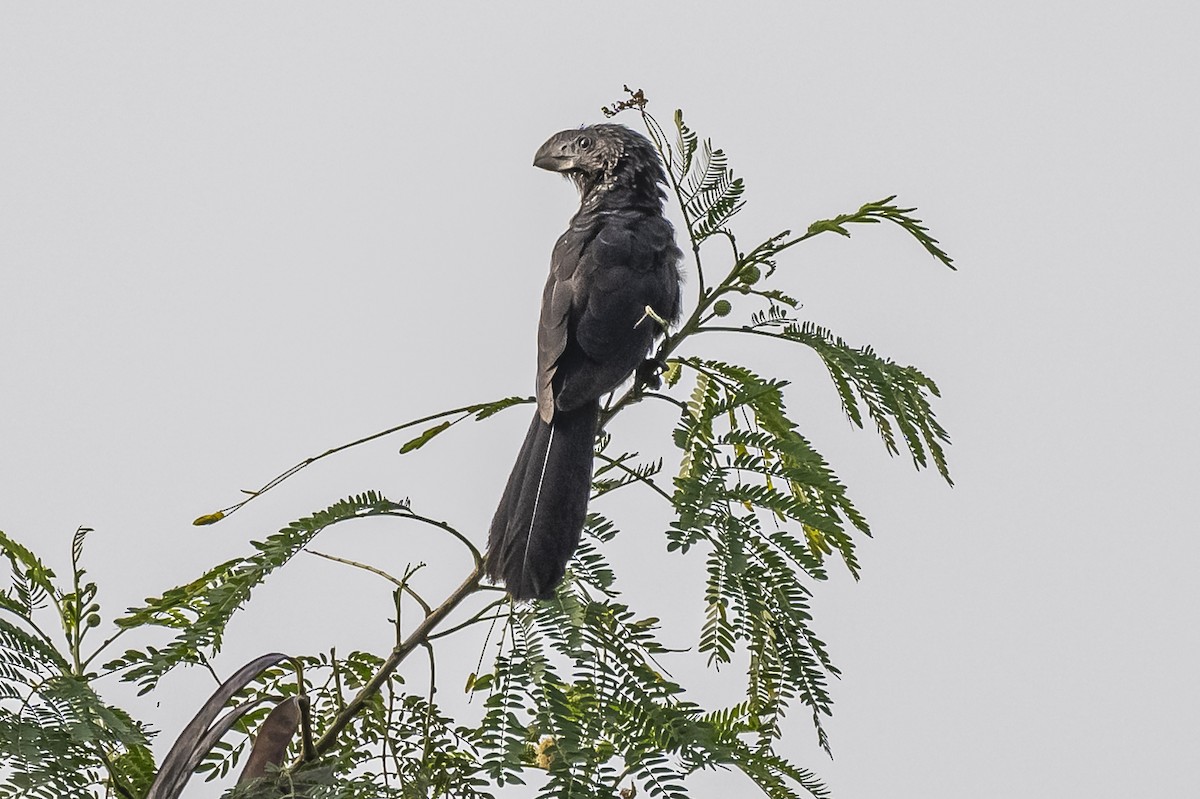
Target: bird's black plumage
[(617, 257)]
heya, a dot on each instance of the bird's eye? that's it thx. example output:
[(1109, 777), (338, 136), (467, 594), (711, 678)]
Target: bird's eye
[(584, 142)]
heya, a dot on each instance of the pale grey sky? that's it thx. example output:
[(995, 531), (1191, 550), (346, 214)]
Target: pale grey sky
[(235, 234)]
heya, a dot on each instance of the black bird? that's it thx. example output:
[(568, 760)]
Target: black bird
[(617, 257)]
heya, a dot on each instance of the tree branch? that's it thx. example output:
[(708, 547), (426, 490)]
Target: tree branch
[(417, 638)]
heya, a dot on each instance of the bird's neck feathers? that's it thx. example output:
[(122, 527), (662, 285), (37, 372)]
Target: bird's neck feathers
[(634, 181)]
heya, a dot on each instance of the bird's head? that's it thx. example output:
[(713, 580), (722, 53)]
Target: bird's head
[(600, 156)]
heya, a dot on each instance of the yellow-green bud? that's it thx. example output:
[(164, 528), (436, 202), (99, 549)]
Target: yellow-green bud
[(750, 274), (722, 308)]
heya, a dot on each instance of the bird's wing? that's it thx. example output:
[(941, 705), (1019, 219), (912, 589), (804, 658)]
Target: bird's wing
[(563, 287), (629, 264)]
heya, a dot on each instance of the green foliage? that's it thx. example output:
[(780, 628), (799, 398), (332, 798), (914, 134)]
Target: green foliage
[(885, 211), (896, 397), (578, 699), (58, 737), (581, 693), (737, 491), (400, 745), (709, 194), (198, 612)]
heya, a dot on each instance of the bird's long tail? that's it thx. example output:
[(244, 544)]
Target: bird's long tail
[(537, 525)]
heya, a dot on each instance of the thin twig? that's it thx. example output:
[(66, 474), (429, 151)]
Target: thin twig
[(375, 570), (664, 150), (429, 710), (104, 646), (620, 464), (466, 411), (337, 679), (408, 513), (478, 617), (418, 637)]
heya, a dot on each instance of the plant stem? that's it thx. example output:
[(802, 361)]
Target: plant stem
[(417, 638), (464, 412)]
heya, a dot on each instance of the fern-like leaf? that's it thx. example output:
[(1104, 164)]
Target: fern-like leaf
[(199, 611)]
